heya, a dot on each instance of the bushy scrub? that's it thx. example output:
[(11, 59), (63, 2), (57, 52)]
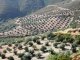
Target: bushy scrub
[(39, 55), (50, 36), (4, 51), (10, 58), (31, 43), (60, 56), (20, 47), (62, 46), (38, 42), (43, 48), (28, 39), (26, 56), (26, 49), (20, 55), (43, 37), (35, 39), (10, 40), (3, 56)]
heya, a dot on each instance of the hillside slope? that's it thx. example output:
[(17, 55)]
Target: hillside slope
[(17, 8), (14, 8), (50, 18), (70, 4)]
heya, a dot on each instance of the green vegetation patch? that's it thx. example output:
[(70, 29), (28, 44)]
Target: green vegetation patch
[(11, 40), (60, 56)]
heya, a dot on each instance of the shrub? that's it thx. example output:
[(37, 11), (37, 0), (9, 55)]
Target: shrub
[(30, 43), (15, 52), (28, 40), (38, 42), (35, 47), (31, 51), (10, 58), (26, 49), (52, 51), (3, 56), (70, 39), (20, 55), (62, 46), (39, 55), (74, 50), (47, 44), (16, 44), (9, 49), (74, 45), (77, 37), (14, 47), (35, 39), (20, 41), (56, 44), (51, 36), (10, 45), (65, 41), (43, 37), (26, 56), (77, 41), (20, 47), (60, 38), (4, 51), (43, 48)]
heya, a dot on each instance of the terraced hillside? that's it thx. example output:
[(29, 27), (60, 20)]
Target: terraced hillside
[(50, 18), (73, 5), (46, 19)]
